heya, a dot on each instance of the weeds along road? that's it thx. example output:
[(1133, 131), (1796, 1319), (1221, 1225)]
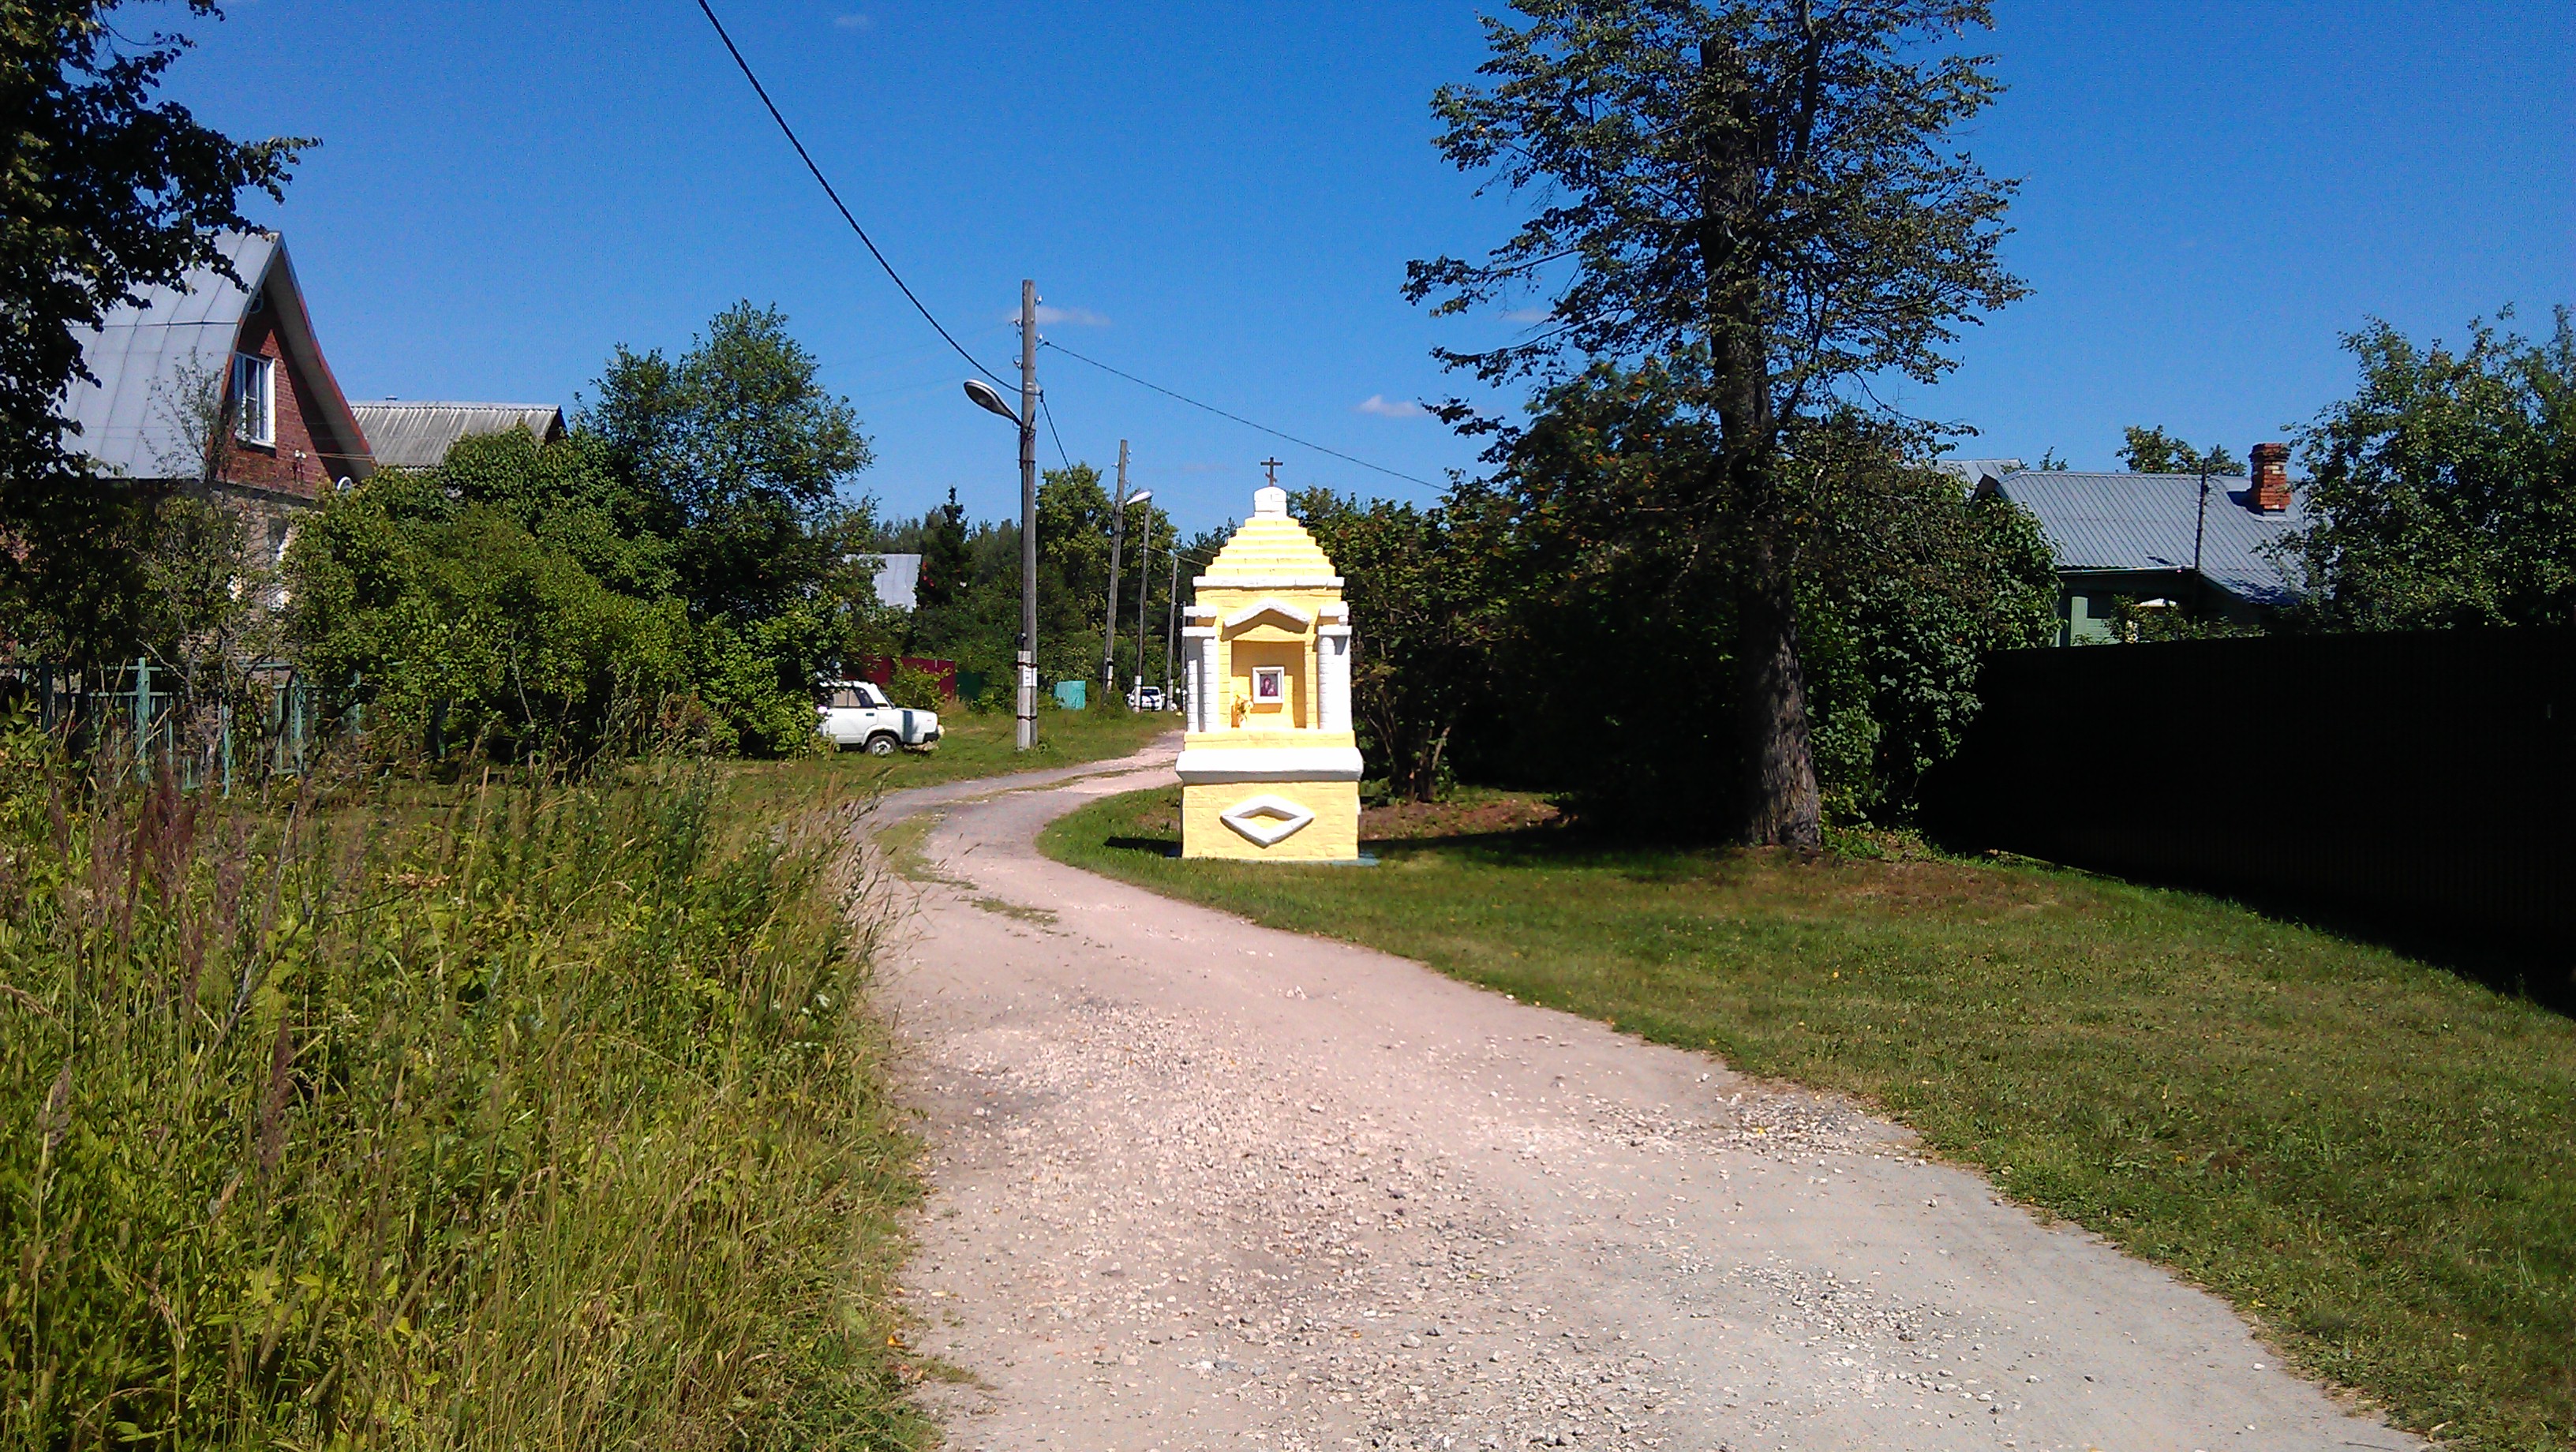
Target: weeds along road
[(1197, 1184)]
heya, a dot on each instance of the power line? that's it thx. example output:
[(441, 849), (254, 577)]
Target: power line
[(802, 155), (1236, 417), (1059, 438)]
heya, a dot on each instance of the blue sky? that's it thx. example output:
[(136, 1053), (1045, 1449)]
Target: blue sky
[(1222, 197)]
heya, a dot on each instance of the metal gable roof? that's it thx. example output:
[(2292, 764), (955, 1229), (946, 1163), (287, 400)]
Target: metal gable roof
[(145, 353), (898, 580), (2145, 522), (412, 435)]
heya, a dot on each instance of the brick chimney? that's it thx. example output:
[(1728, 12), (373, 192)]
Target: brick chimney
[(2270, 493)]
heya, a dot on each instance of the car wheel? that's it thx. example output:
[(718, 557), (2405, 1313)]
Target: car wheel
[(881, 744)]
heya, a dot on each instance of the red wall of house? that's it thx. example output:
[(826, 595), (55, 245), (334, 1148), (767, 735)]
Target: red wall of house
[(294, 465)]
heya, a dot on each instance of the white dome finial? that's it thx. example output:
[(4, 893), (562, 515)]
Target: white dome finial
[(1270, 502)]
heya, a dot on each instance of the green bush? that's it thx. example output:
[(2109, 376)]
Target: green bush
[(521, 1116), (916, 688), (422, 602)]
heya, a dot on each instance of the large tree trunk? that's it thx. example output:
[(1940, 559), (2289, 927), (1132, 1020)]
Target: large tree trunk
[(1777, 803), (1778, 799)]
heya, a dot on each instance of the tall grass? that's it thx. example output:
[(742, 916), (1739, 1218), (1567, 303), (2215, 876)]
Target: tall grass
[(526, 1115)]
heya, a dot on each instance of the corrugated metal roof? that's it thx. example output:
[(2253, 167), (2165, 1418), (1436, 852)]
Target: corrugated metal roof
[(898, 580), (1977, 472), (2145, 522), (145, 355), (404, 434)]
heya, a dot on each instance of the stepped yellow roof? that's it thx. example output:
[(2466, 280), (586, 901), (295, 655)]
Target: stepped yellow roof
[(1270, 548)]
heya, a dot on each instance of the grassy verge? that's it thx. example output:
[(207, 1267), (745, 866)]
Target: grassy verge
[(2373, 1159), (550, 1117), (971, 745)]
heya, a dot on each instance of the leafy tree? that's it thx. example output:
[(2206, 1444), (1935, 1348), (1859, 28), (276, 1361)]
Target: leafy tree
[(1765, 197), (2443, 493), (973, 616), (1421, 617), (1917, 585), (518, 584), (977, 624), (1073, 571), (568, 494), (1619, 636), (737, 456), (946, 569), (105, 192), (2153, 451)]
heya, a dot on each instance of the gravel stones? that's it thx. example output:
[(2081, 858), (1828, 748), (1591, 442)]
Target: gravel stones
[(1199, 1185)]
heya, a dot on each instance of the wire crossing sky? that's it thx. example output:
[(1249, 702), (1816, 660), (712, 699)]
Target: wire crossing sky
[(1219, 199)]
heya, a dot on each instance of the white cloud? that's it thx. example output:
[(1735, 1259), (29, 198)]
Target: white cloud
[(1528, 315), (1385, 407), (854, 21)]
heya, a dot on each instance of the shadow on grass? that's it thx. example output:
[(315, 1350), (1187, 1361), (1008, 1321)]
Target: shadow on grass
[(2517, 966), (2538, 973)]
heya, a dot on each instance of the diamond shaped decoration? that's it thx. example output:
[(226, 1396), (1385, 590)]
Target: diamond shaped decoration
[(1267, 821)]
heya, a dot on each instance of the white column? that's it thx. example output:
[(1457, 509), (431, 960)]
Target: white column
[(1199, 656), (1334, 642)]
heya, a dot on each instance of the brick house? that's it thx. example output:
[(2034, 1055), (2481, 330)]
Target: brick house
[(168, 366)]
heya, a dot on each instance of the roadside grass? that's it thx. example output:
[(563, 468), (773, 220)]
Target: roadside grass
[(972, 744), (2372, 1158), (529, 1114), (903, 847)]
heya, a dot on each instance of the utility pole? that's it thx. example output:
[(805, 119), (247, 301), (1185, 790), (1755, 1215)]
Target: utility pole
[(1117, 544), (1028, 658), (2199, 528), (1172, 621), (1144, 579)]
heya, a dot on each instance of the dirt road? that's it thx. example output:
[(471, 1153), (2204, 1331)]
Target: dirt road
[(1197, 1184)]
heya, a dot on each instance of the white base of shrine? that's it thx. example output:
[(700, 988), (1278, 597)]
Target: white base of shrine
[(1204, 765)]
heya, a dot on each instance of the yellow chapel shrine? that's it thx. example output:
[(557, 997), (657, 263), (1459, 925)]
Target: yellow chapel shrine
[(1270, 770)]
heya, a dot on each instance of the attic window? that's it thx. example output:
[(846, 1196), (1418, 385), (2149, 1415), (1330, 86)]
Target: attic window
[(254, 399)]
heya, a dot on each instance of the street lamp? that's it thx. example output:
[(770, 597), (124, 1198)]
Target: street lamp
[(1117, 547), (989, 399)]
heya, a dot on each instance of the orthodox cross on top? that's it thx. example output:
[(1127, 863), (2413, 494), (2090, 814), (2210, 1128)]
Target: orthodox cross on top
[(1273, 466)]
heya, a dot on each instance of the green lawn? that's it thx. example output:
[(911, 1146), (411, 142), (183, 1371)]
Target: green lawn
[(2373, 1158)]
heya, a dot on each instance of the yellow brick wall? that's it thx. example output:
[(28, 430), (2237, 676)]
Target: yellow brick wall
[(1334, 835)]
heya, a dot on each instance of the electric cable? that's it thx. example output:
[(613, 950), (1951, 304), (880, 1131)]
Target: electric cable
[(1049, 414), (802, 155), (1236, 417)]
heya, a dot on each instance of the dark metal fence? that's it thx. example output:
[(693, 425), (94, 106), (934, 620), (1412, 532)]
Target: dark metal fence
[(2422, 782)]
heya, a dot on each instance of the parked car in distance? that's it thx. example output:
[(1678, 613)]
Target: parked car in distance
[(1145, 698), (857, 713)]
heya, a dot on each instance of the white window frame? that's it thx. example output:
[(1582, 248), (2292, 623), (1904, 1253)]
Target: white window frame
[(255, 383), (1270, 685)]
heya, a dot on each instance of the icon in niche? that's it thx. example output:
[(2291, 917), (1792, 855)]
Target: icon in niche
[(1267, 820)]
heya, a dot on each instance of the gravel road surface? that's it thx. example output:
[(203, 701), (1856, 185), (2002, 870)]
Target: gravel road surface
[(1198, 1184)]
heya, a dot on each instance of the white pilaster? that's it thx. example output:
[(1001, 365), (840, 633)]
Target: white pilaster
[(1198, 656), (1334, 644)]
